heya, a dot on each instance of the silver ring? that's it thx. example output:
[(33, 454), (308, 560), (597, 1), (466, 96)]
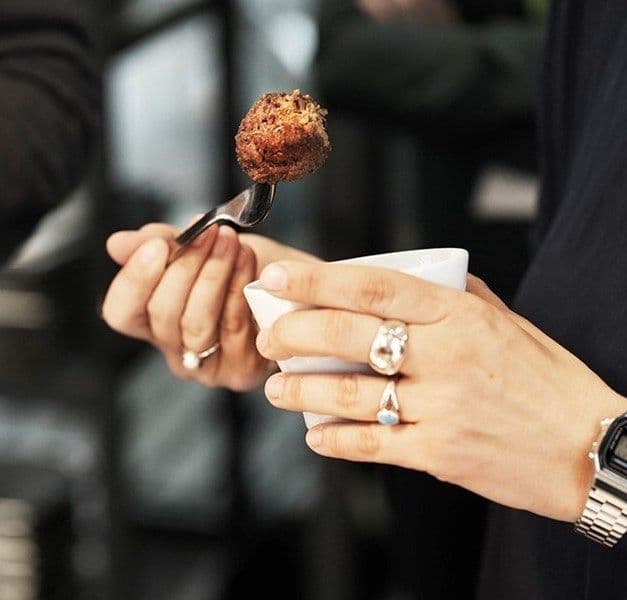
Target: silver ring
[(193, 360), (388, 348), (389, 409)]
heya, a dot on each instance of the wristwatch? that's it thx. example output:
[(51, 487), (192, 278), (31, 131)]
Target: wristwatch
[(604, 517)]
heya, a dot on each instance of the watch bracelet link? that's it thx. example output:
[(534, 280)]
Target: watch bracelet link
[(604, 518)]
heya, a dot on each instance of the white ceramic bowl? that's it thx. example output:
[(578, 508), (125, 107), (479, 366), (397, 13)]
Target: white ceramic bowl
[(443, 266)]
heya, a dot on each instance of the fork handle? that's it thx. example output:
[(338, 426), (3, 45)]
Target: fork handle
[(192, 232), (200, 226)]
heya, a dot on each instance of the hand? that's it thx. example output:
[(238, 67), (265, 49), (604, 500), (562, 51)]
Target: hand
[(488, 401), (194, 302), (423, 11)]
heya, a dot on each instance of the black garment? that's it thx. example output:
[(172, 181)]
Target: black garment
[(478, 10), (576, 287), (49, 102)]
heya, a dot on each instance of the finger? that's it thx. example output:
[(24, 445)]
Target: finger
[(122, 244), (168, 301), (237, 365), (381, 292), (320, 332), (479, 288), (350, 396), (238, 332), (400, 445), (199, 323), (236, 317), (124, 308), (174, 360)]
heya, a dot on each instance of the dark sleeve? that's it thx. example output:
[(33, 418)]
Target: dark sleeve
[(482, 10), (456, 79), (49, 104)]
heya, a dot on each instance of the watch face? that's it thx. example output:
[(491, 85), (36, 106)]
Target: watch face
[(613, 451), (620, 452)]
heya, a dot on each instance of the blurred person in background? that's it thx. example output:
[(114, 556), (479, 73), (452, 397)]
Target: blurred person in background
[(459, 76), (49, 107), (492, 399)]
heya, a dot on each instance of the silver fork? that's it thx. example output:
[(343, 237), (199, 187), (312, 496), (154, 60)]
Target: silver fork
[(247, 209)]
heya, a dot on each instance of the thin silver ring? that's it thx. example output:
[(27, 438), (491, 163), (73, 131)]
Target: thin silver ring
[(389, 412), (193, 360), (387, 351)]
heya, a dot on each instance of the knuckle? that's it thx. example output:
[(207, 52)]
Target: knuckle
[(155, 309), (377, 294), (367, 442), (479, 308), (234, 322), (135, 276), (348, 391), (280, 331), (213, 275), (163, 323), (293, 391), (337, 327), (160, 314), (192, 328), (309, 283), (478, 282)]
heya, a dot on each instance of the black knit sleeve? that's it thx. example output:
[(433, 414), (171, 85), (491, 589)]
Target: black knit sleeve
[(49, 104)]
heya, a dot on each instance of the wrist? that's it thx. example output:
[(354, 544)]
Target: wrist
[(602, 406)]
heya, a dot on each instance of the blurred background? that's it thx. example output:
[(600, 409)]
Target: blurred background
[(119, 481)]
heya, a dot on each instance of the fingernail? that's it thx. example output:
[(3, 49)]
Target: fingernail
[(314, 438), (149, 252), (274, 387), (274, 278), (222, 244), (262, 339)]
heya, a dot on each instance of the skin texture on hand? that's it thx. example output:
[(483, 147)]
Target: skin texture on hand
[(195, 301), (488, 401)]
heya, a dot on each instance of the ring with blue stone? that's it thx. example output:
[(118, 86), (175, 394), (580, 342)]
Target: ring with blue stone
[(389, 407)]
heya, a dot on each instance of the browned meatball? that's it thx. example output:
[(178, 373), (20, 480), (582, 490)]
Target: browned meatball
[(282, 138)]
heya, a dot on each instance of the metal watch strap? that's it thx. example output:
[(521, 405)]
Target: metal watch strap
[(604, 518)]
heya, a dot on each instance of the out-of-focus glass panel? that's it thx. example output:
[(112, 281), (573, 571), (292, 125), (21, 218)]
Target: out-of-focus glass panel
[(166, 106)]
